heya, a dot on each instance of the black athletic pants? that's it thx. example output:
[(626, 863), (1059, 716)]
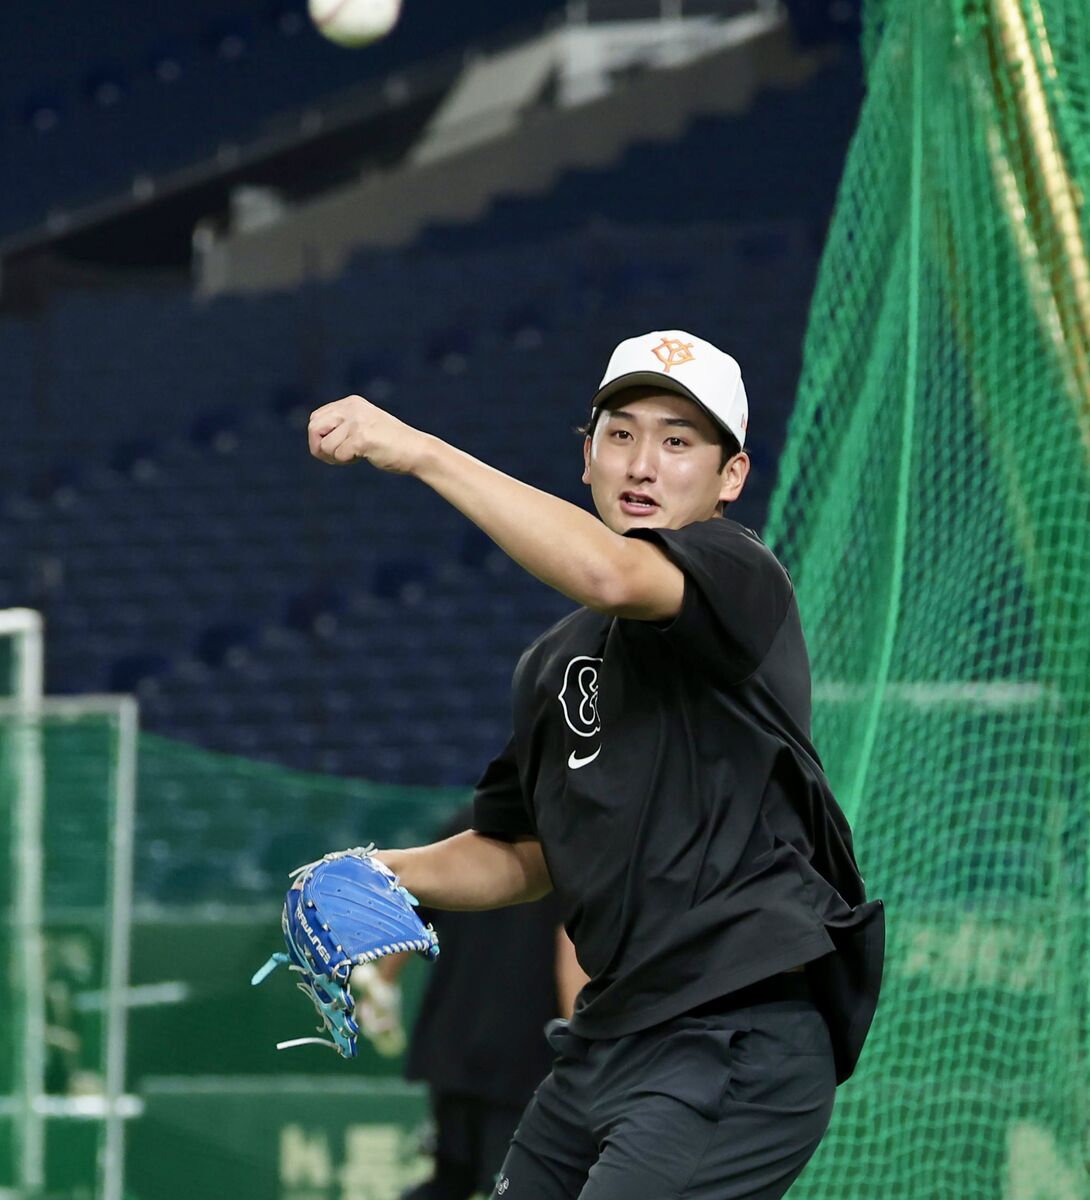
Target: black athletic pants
[(727, 1102)]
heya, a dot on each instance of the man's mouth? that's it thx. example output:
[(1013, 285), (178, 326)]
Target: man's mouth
[(637, 504)]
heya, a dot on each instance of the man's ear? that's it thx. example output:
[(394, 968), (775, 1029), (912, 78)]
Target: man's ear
[(586, 460), (735, 474)]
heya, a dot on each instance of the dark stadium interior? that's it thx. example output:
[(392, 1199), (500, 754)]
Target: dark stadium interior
[(89, 103), (224, 662), (159, 506)]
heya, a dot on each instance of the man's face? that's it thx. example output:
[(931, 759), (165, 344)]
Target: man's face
[(654, 460)]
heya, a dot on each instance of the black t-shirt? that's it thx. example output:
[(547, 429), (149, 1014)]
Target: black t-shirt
[(490, 993), (690, 833)]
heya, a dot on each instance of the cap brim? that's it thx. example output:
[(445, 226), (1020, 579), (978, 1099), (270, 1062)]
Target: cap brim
[(655, 379)]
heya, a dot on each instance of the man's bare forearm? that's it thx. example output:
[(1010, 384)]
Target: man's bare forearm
[(470, 872), (558, 542)]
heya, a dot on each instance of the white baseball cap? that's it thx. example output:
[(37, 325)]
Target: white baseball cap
[(679, 362)]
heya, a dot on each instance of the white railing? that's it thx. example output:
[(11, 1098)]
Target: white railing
[(24, 713), (24, 688)]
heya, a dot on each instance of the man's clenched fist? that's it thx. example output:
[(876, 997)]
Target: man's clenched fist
[(354, 428)]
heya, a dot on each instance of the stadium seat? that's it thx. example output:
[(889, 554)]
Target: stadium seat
[(128, 672), (349, 621)]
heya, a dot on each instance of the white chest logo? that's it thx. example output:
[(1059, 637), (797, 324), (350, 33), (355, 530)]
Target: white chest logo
[(579, 702)]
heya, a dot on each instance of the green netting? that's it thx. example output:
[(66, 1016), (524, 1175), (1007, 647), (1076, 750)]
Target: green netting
[(934, 510), (220, 828), (65, 769)]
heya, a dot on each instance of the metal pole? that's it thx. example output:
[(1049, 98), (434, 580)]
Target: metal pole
[(1054, 223), (24, 626), (117, 972)]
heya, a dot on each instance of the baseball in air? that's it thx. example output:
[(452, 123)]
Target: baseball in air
[(354, 22)]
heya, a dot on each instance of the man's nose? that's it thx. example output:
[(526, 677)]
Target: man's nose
[(642, 464)]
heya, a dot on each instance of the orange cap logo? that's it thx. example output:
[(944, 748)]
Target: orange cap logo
[(672, 352)]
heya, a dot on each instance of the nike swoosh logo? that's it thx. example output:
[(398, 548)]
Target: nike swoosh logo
[(575, 762)]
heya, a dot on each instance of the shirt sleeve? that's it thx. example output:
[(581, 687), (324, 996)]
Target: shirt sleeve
[(736, 596), (499, 807)]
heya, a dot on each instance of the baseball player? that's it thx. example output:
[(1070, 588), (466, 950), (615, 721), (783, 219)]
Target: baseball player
[(661, 780)]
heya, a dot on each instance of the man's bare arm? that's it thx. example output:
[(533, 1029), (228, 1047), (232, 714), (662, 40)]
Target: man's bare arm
[(559, 543), (470, 872)]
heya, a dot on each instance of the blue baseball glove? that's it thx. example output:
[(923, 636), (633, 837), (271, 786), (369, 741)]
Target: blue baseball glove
[(344, 910)]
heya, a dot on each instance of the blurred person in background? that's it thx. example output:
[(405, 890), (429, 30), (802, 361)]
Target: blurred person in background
[(69, 1024), (479, 1040)]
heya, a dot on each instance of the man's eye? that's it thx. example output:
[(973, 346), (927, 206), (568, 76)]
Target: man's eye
[(676, 441), (618, 433)]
